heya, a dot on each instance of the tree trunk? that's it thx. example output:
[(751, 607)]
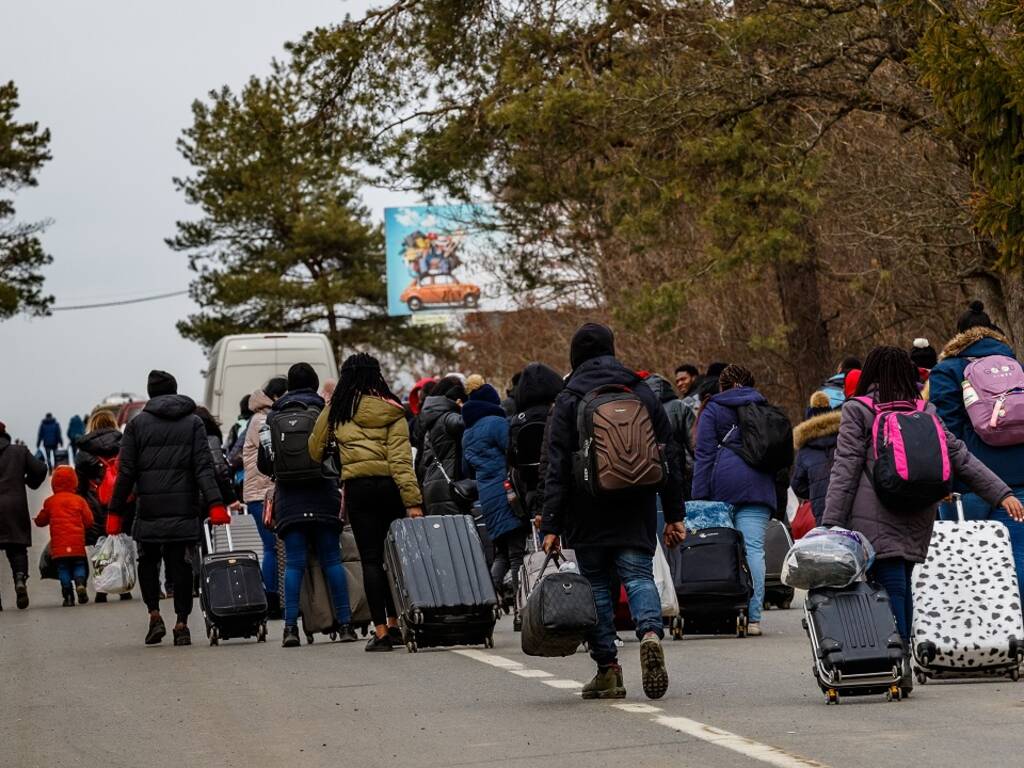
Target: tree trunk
[(810, 355), (1012, 284)]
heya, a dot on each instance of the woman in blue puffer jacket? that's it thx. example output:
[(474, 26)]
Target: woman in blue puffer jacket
[(719, 474), (484, 448)]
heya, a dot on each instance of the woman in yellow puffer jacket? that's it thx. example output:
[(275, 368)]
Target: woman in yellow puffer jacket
[(370, 430)]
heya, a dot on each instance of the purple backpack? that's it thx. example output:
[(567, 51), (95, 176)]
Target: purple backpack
[(994, 397), (911, 457)]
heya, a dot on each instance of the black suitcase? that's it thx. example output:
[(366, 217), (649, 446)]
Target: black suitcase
[(712, 582), (856, 646), (777, 543), (440, 582), (231, 592)]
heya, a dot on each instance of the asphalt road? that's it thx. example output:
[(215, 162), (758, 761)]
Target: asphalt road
[(78, 688)]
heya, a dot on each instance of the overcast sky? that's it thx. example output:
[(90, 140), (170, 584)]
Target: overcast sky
[(113, 81)]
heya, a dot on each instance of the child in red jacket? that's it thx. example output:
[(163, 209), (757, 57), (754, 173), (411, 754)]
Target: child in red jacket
[(69, 517)]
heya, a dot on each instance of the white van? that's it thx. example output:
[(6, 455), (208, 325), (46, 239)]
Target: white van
[(241, 364)]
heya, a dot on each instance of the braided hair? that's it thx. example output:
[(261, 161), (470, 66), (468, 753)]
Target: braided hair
[(360, 375), (735, 376), (892, 372)]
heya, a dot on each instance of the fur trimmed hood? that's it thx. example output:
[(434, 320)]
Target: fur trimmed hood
[(825, 425), (955, 346)]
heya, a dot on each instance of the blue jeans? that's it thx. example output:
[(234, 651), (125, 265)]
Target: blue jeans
[(894, 573), (269, 568), (752, 521), (976, 508), (71, 570), (636, 571), (328, 551)]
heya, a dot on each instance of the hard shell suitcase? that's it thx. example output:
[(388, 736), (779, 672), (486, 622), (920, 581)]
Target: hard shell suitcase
[(856, 648), (712, 582), (967, 603), (354, 575), (777, 543), (231, 592), (440, 582)]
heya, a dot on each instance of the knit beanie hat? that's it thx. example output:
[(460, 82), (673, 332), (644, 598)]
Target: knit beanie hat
[(485, 394), (590, 341), (974, 317), (819, 404), (161, 383), (302, 376), (923, 354)]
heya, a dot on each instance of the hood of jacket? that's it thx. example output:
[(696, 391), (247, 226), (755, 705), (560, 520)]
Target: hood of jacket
[(475, 410), (64, 480), (662, 387), (825, 425), (539, 384), (737, 396), (259, 401), (598, 371), (977, 342), (434, 407), (76, 425), (5, 440), (171, 407), (101, 442), (49, 420), (376, 412), (305, 396)]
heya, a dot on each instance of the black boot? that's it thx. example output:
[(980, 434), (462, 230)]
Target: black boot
[(291, 637), (157, 629), (101, 597), (126, 595), (21, 590), (274, 606), (69, 597)]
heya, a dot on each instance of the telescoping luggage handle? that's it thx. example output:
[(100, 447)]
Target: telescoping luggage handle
[(958, 502), (208, 531)]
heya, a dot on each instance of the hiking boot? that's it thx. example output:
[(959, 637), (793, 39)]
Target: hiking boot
[(21, 590), (607, 684), (157, 630), (101, 597), (754, 629), (83, 593), (652, 666), (274, 612), (395, 633), (346, 634), (182, 636), (379, 644), (907, 680), (290, 639)]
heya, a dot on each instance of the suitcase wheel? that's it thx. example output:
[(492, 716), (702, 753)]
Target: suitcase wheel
[(894, 693), (1015, 674), (831, 696), (489, 641), (517, 624), (922, 678), (741, 624), (309, 639), (214, 636), (677, 628), (261, 633), (411, 646), (786, 605)]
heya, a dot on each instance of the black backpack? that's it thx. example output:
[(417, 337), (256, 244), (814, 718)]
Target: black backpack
[(525, 443), (290, 429), (766, 437)]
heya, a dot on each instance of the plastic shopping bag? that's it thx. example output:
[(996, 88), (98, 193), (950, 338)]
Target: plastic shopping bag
[(113, 563), (666, 587), (828, 557)]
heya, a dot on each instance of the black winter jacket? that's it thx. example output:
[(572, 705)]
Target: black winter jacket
[(622, 520), (18, 468), (535, 395), (166, 460), (442, 427), (301, 502), (681, 418)]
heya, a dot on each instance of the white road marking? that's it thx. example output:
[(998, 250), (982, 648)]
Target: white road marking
[(755, 750)]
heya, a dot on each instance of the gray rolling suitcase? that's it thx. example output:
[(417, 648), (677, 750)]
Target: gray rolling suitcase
[(777, 543), (354, 575)]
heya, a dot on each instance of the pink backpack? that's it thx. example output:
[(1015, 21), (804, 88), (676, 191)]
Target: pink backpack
[(994, 397)]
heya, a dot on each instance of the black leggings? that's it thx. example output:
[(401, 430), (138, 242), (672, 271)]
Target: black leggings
[(177, 557), (371, 504), (17, 556), (509, 550)]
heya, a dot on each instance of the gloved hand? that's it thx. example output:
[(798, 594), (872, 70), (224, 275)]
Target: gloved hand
[(113, 526), (219, 515)]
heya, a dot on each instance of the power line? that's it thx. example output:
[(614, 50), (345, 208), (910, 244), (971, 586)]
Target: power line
[(121, 302)]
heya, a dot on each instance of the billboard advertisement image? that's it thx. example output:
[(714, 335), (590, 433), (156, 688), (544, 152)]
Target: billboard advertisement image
[(437, 260)]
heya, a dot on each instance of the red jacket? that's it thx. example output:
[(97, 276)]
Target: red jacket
[(67, 514)]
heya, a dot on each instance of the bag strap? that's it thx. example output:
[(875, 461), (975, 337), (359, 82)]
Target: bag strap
[(552, 556), (437, 461)]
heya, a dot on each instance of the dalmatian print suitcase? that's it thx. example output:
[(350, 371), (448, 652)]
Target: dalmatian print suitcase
[(967, 603)]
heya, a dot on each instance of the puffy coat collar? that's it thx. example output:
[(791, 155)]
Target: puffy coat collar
[(171, 407), (475, 410), (101, 442), (825, 425), (376, 412), (662, 388), (988, 341), (737, 396), (434, 407), (306, 397), (259, 401)]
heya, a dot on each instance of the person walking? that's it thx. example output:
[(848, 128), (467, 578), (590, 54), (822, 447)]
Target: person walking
[(256, 486), (537, 387), (681, 417), (367, 423), (18, 469), (68, 517), (814, 441), (900, 537), (720, 474), (307, 503), (978, 338), (76, 428), (611, 533), (440, 460), (165, 462), (50, 438)]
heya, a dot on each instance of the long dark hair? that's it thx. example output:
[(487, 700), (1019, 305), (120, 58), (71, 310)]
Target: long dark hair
[(891, 370), (360, 375)]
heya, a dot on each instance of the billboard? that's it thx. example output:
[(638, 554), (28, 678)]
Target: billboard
[(437, 260)]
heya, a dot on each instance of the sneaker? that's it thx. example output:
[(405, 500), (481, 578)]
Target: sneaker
[(395, 633), (754, 629), (379, 644), (652, 666), (290, 638), (157, 631), (21, 590), (101, 597), (346, 634), (607, 684), (83, 594), (182, 636)]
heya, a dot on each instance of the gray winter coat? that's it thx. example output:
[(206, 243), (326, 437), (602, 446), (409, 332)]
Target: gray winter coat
[(852, 503)]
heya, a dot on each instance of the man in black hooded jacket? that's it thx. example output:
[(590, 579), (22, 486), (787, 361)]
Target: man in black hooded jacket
[(612, 533), (165, 461)]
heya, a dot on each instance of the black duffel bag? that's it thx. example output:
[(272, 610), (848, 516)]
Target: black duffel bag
[(559, 613)]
